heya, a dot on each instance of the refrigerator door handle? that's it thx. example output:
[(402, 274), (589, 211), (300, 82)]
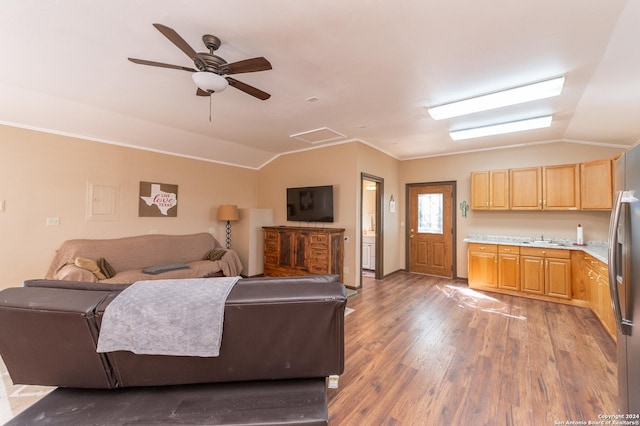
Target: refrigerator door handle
[(623, 326)]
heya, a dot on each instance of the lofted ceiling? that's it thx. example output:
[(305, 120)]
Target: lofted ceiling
[(359, 69)]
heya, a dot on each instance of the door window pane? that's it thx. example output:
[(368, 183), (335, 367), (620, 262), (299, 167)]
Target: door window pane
[(430, 213)]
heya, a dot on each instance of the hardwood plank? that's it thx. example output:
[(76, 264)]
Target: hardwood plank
[(427, 350)]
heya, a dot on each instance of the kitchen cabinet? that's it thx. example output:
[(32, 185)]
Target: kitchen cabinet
[(292, 251), (532, 274), (545, 188), (490, 190), (586, 186), (598, 296), (483, 265), (509, 267), (560, 275), (526, 188), (546, 272), (561, 187), (596, 185)]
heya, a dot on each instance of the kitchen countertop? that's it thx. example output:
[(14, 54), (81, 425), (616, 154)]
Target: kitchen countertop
[(597, 249)]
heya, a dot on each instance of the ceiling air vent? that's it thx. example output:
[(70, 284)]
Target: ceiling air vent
[(323, 134)]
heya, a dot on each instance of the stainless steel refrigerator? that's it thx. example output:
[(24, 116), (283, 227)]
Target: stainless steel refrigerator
[(624, 277)]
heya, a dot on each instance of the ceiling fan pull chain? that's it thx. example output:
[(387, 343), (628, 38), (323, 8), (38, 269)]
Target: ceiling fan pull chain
[(210, 107)]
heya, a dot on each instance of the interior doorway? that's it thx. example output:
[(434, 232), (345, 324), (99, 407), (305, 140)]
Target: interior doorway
[(431, 238), (371, 229)]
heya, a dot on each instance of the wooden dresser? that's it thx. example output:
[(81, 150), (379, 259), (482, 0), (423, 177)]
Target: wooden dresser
[(291, 251)]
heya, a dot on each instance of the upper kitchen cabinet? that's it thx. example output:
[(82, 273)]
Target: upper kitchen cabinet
[(596, 185), (546, 188), (526, 188), (490, 190), (561, 187), (586, 186)]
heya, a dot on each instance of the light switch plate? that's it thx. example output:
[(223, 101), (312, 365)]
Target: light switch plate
[(2, 204)]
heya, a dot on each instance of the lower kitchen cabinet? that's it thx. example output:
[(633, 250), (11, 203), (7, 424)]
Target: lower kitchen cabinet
[(509, 267), (558, 277), (532, 275), (483, 265), (544, 274), (546, 271), (598, 296), (520, 270)]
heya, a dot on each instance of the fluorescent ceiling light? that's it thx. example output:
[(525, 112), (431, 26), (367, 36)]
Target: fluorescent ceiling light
[(518, 95), (498, 129)]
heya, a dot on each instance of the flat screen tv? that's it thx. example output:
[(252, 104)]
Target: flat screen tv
[(310, 204)]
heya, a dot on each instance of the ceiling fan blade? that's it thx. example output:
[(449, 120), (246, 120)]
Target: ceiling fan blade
[(160, 64), (247, 65), (201, 92), (175, 38), (250, 90)]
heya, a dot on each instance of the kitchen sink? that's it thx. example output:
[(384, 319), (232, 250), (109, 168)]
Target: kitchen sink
[(544, 243)]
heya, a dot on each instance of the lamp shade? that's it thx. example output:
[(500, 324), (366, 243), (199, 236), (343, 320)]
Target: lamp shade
[(228, 212), (209, 82)]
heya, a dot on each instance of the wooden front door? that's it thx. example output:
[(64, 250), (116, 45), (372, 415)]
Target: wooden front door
[(431, 229)]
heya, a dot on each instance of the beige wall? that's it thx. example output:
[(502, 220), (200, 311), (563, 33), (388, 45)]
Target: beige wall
[(341, 166), (376, 163), (334, 165), (44, 175), (560, 224)]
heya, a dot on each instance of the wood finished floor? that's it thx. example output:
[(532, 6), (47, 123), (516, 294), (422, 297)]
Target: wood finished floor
[(428, 351)]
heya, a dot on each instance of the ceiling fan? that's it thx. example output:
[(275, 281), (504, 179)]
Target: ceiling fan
[(211, 69)]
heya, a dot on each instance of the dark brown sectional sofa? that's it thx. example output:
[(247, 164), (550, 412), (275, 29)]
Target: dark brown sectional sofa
[(275, 329)]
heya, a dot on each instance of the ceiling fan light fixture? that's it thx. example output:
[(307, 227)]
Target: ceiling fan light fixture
[(517, 95), (499, 129), (209, 82)]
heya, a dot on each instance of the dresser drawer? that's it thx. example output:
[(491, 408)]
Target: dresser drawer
[(318, 268), (270, 236), (318, 239), (270, 247)]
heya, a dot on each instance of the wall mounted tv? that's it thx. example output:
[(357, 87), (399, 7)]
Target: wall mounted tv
[(310, 204)]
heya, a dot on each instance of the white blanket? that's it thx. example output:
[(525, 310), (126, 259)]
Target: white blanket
[(167, 317)]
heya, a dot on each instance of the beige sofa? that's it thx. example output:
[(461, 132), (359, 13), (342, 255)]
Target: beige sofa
[(127, 257)]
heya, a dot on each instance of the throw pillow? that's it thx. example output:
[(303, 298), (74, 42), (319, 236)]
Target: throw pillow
[(106, 269), (89, 265), (215, 254)]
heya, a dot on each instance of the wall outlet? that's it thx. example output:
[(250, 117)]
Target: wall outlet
[(153, 231), (345, 269), (212, 231), (53, 221)]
